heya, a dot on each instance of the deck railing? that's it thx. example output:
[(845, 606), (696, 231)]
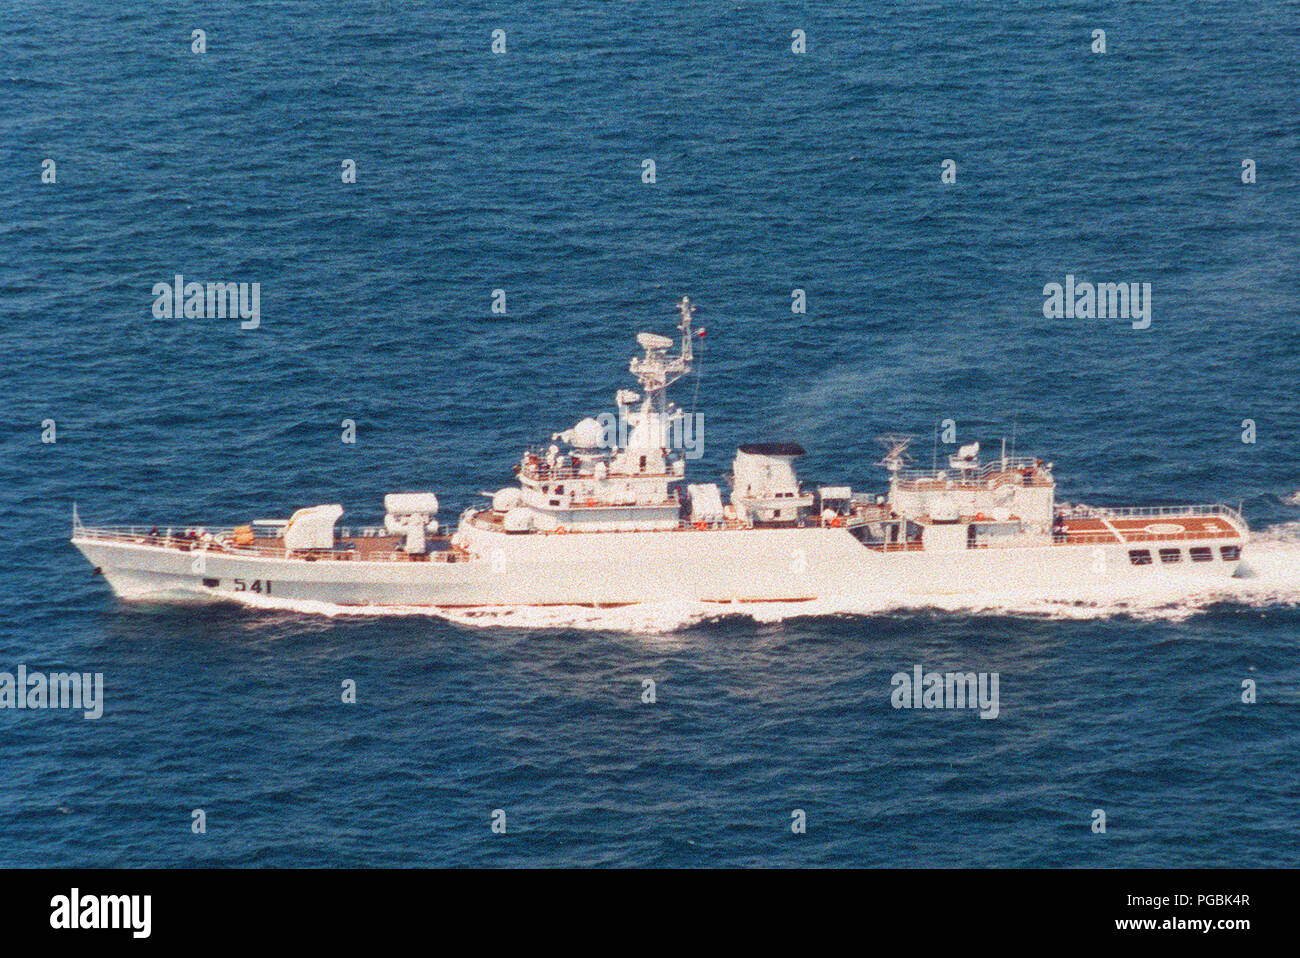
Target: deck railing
[(1012, 470), (982, 471), (1081, 511), (541, 472), (219, 540)]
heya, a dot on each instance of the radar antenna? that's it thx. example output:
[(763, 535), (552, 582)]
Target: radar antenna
[(895, 451), (687, 309), (657, 370)]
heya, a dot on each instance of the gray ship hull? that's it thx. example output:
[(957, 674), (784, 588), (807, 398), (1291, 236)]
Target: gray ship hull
[(741, 566)]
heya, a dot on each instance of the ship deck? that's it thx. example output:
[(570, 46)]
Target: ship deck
[(1090, 527), (368, 548), (1075, 530), (363, 548)]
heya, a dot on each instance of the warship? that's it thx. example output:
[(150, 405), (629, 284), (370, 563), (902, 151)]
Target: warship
[(604, 516)]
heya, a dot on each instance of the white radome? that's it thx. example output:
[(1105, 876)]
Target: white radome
[(588, 434)]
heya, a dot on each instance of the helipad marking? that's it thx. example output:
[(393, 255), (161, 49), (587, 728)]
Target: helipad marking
[(1166, 528)]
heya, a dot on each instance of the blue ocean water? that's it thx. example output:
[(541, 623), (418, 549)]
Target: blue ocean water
[(522, 172)]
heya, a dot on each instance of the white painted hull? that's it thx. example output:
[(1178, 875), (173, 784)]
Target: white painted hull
[(737, 565)]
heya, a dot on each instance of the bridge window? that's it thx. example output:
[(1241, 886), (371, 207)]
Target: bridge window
[(1139, 556), (1171, 555), (1201, 554), (1230, 553), (875, 533)]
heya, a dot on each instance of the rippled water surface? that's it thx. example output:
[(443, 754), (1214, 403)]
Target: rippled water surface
[(522, 172)]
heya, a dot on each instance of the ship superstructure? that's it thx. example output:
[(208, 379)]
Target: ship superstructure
[(603, 514), (587, 480)]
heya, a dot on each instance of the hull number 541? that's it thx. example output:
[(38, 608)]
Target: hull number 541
[(253, 585)]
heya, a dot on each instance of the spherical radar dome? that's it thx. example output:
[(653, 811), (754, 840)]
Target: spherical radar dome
[(587, 434)]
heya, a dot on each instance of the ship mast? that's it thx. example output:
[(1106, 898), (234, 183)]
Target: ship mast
[(656, 370), (687, 309)]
